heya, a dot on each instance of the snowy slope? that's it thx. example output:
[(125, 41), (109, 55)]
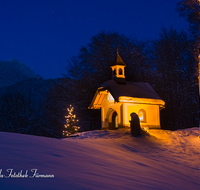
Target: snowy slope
[(104, 160)]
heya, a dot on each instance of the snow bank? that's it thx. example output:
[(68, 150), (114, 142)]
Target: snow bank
[(104, 160)]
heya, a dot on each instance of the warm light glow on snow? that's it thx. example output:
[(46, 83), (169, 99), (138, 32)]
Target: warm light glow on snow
[(141, 100), (145, 129), (110, 98), (105, 159)]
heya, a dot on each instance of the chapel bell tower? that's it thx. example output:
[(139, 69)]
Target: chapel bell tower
[(118, 70)]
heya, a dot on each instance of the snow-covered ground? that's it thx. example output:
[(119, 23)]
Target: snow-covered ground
[(102, 160)]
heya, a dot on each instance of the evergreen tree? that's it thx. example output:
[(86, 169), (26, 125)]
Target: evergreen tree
[(70, 126), (175, 79), (190, 10)]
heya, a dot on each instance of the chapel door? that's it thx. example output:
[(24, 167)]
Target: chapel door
[(114, 124)]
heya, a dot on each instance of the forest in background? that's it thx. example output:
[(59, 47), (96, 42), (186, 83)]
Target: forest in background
[(169, 64)]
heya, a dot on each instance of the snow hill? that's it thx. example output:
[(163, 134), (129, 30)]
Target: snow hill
[(103, 160), (13, 71)]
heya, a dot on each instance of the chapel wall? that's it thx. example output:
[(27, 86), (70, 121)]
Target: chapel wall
[(152, 114)]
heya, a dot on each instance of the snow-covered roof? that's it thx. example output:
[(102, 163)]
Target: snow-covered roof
[(130, 89), (139, 90)]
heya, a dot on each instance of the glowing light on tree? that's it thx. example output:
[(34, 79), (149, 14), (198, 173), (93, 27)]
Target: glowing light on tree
[(70, 126)]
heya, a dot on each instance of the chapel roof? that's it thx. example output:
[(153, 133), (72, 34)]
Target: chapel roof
[(130, 89), (118, 61)]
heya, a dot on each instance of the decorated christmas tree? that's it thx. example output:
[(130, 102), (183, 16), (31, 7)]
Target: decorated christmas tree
[(70, 126)]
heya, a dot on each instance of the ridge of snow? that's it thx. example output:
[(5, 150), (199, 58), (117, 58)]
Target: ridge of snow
[(105, 160)]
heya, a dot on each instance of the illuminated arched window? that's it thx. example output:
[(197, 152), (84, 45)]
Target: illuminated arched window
[(114, 72), (142, 115), (120, 71)]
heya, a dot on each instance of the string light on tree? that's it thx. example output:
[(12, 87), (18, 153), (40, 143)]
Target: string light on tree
[(70, 126)]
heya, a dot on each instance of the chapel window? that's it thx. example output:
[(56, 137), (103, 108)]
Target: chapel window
[(142, 115), (120, 71)]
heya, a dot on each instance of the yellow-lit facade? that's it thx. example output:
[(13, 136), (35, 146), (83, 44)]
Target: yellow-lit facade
[(148, 110)]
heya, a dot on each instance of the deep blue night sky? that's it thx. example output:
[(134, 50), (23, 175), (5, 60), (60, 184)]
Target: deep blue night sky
[(44, 34)]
